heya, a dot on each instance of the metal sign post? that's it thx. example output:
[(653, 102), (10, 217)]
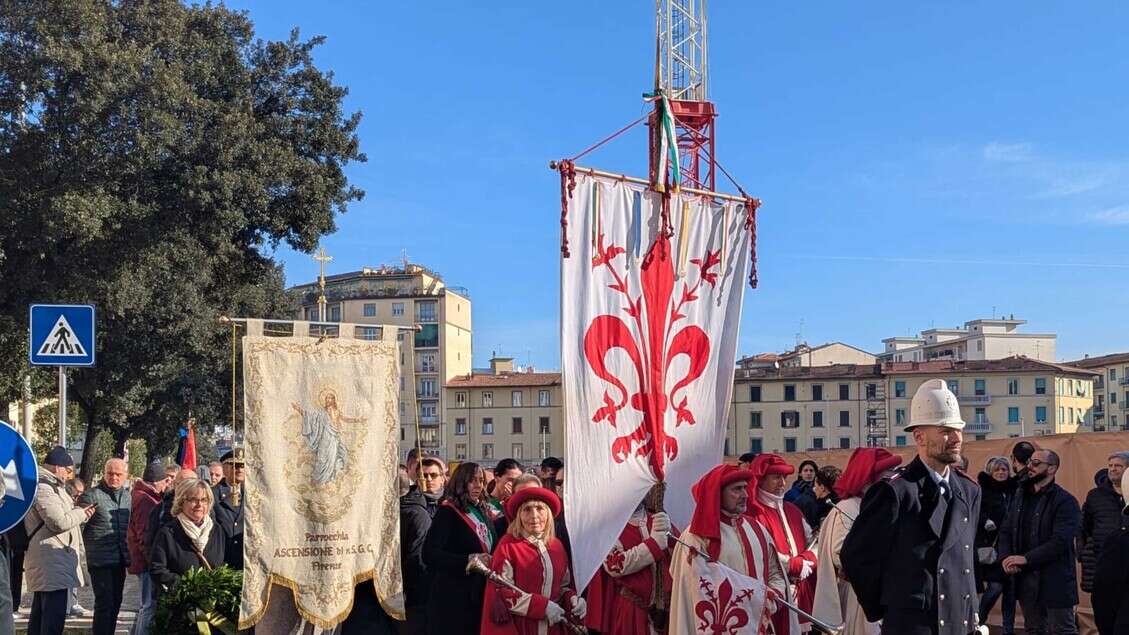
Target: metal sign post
[(61, 335), (63, 406)]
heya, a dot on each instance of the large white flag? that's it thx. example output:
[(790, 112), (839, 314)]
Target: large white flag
[(649, 322), (717, 600)]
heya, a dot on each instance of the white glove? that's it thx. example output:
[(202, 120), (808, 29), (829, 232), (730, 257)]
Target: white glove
[(806, 569), (989, 525), (579, 607), (660, 523), (982, 630), (554, 613)]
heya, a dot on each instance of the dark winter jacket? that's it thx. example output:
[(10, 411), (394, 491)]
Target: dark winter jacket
[(996, 497), (230, 515), (1101, 517), (414, 524), (1050, 555), (456, 607), (815, 509), (144, 500), (1111, 586), (105, 532), (172, 554), (799, 488)]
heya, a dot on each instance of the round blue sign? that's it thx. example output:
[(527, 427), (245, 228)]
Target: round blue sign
[(19, 473)]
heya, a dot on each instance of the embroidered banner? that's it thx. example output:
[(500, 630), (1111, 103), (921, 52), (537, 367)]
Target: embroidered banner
[(718, 600), (321, 493), (649, 327)]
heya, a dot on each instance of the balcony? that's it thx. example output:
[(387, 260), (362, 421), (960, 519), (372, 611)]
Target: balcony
[(427, 395), (1099, 383), (979, 426), (975, 400), (429, 421), (1099, 410), (1124, 381)]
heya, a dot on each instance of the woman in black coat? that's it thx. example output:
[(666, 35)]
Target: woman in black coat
[(1111, 581), (1101, 517), (997, 489), (462, 528), (191, 539)]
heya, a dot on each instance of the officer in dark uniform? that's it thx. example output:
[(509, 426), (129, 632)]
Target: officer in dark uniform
[(229, 505), (909, 555)]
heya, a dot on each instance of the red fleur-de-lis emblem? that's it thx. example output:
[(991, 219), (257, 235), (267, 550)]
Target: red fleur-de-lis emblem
[(721, 613), (615, 561), (652, 338)]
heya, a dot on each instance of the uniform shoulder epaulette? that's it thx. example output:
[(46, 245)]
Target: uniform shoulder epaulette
[(896, 475)]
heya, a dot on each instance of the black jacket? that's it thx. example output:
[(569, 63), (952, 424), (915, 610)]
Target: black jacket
[(172, 554), (1051, 554), (995, 498), (1101, 518), (456, 606), (414, 524), (909, 554), (1111, 586), (230, 515), (104, 534)]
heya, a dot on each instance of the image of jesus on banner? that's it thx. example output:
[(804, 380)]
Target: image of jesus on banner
[(321, 431)]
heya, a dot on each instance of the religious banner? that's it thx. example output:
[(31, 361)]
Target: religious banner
[(651, 295), (720, 601), (322, 509)]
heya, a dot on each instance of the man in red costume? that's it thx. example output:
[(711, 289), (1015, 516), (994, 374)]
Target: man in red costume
[(721, 533), (790, 533), (627, 596)]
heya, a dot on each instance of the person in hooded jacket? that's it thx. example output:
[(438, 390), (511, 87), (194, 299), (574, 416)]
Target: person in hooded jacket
[(1101, 516), (1111, 580), (997, 488)]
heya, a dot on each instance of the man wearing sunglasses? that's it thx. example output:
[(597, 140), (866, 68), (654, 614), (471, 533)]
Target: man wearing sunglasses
[(1037, 547)]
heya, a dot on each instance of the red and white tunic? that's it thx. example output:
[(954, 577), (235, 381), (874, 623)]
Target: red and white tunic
[(541, 571), (793, 539), (624, 588)]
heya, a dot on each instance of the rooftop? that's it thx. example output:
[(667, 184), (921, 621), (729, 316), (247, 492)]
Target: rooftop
[(505, 380), (834, 371), (1098, 362), (1008, 364)]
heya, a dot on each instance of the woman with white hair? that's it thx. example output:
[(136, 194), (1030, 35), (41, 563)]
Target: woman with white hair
[(191, 540), (530, 557), (997, 491)]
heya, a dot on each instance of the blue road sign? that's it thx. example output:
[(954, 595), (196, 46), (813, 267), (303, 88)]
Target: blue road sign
[(20, 475), (62, 335)]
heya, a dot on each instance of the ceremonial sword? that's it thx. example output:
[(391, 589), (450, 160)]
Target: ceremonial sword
[(477, 566)]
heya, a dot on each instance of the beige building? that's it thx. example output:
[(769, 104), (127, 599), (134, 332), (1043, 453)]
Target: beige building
[(976, 340), (1111, 390), (852, 405), (804, 355), (504, 414), (439, 350)]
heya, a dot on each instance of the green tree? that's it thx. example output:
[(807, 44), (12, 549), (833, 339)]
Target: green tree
[(152, 156)]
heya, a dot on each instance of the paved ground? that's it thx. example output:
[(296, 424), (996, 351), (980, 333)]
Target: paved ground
[(130, 601)]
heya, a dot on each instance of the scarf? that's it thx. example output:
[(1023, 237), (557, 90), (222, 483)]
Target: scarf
[(776, 504), (198, 534)]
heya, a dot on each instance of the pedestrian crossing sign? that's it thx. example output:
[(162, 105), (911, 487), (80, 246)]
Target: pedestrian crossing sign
[(62, 335)]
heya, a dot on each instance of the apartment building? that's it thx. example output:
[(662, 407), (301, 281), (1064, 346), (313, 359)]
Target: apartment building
[(406, 295), (852, 405), (976, 340), (1111, 390), (805, 355), (504, 414)]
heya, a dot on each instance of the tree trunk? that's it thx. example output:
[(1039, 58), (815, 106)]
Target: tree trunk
[(121, 435), (86, 470), (4, 406)]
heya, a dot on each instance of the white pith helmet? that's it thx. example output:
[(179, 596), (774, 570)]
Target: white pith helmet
[(934, 405)]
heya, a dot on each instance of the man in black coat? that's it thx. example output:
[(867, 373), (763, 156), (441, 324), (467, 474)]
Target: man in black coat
[(909, 555), (415, 521), (1111, 581), (229, 506), (1101, 516), (1037, 547)]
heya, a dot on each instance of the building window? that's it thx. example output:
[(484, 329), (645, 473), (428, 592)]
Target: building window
[(460, 451), (980, 416), (370, 309), (488, 450), (427, 336), (402, 409), (543, 398), (1069, 414), (515, 398), (1040, 385), (899, 389), (1013, 386), (844, 392), (1113, 398), (515, 451), (427, 388), (979, 345), (789, 419), (900, 441), (871, 418), (954, 386), (1113, 423), (1040, 414), (335, 313), (817, 443), (789, 444), (755, 420), (981, 388), (460, 425), (871, 391), (756, 446), (425, 312), (817, 419), (1013, 414), (427, 362), (1112, 375), (900, 416), (789, 392), (427, 411), (545, 449), (844, 443), (370, 333), (1069, 386), (487, 399), (460, 399), (487, 425), (844, 418), (981, 437), (1061, 415), (543, 425), (754, 393), (517, 426), (397, 308), (817, 392)]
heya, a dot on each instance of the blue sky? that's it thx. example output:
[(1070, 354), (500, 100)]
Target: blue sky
[(920, 163)]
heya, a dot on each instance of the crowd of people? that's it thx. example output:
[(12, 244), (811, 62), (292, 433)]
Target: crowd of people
[(877, 546), (156, 527)]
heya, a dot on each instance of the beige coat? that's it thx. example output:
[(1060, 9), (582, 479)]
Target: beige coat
[(56, 556), (835, 600)]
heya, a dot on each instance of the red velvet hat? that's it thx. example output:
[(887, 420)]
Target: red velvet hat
[(706, 521), (766, 464), (526, 494), (865, 467)]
